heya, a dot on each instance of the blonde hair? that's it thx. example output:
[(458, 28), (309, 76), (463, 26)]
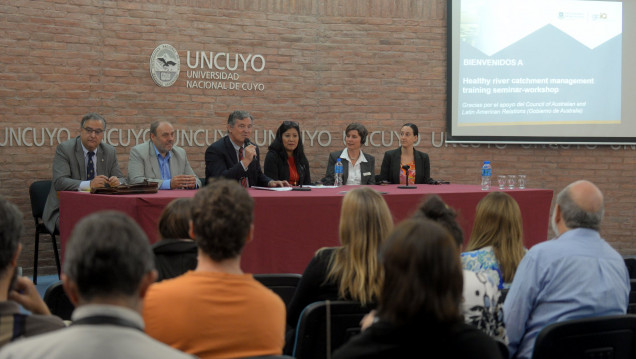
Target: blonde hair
[(498, 224), (365, 223)]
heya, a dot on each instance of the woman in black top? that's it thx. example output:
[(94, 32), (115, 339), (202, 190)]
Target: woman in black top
[(418, 162), (285, 160)]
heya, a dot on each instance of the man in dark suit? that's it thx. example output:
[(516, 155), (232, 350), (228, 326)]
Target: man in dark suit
[(231, 157), (82, 163)]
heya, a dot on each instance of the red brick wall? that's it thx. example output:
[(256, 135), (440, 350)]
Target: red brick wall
[(328, 63)]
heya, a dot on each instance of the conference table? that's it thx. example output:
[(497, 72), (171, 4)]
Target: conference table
[(289, 226)]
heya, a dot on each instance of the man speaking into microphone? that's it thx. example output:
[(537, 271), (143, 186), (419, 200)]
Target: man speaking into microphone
[(235, 157)]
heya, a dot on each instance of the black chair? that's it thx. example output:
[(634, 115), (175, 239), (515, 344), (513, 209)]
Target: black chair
[(39, 191), (325, 326), (57, 301), (631, 307), (283, 284), (630, 263), (598, 337)]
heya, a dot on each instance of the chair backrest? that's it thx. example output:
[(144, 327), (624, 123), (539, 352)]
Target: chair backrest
[(630, 263), (57, 301), (39, 191), (283, 284), (319, 333), (598, 337)]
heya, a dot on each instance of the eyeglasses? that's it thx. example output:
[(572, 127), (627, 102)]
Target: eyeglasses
[(89, 130)]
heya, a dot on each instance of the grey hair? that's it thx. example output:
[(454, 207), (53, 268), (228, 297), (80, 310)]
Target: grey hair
[(155, 125), (576, 217), (93, 116), (238, 115), (10, 230), (108, 256)]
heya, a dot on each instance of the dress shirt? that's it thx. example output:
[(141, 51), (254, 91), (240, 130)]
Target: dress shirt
[(577, 275), (164, 167), (355, 173), (86, 185)]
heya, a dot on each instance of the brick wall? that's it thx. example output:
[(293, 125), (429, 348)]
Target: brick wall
[(328, 63)]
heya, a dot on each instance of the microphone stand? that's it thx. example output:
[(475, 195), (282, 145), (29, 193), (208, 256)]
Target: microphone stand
[(301, 171), (406, 171)]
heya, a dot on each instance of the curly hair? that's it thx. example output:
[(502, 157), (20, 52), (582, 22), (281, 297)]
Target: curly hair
[(222, 215)]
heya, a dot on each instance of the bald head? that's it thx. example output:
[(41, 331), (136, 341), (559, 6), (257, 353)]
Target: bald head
[(581, 205)]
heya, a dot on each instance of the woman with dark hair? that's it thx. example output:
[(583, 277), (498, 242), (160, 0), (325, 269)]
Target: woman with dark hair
[(419, 304), (358, 168), (419, 166), (175, 253), (285, 160), (496, 242)]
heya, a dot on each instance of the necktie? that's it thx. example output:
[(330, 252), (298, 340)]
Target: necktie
[(90, 169), (243, 179)]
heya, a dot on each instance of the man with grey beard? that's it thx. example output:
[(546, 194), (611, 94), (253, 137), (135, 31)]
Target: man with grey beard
[(576, 275)]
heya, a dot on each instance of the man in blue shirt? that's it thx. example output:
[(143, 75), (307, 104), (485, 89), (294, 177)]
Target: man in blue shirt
[(576, 275), (160, 160)]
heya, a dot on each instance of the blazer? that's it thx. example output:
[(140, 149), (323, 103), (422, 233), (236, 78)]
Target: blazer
[(391, 167), (277, 167), (143, 164), (367, 169), (221, 161), (69, 171)]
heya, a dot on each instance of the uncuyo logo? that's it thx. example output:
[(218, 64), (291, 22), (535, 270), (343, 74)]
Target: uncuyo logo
[(164, 65)]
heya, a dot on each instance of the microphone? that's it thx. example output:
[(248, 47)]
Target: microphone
[(248, 142), (406, 171), (301, 171)]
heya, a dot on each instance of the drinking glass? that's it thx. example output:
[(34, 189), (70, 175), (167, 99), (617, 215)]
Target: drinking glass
[(512, 179), (522, 181)]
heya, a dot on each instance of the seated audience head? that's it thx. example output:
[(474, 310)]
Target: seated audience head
[(10, 231), (92, 130), (408, 135), (356, 131), (579, 205), (423, 277), (365, 223), (222, 219), (436, 210), (498, 223), (174, 221), (108, 260), (162, 135), (288, 140), (239, 126)]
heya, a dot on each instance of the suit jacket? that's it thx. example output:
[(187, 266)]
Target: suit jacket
[(367, 169), (143, 164), (221, 161), (69, 171), (391, 167), (277, 167)]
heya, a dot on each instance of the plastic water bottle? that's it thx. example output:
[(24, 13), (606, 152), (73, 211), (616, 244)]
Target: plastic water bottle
[(486, 174), (338, 173)]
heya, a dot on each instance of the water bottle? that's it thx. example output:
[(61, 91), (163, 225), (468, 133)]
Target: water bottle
[(486, 174), (338, 173)]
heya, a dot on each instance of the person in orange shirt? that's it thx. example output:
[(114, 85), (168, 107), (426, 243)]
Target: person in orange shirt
[(217, 311)]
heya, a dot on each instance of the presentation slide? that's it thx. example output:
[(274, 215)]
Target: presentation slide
[(544, 71)]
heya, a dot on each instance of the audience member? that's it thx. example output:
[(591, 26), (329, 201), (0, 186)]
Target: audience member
[(160, 160), (286, 159), (16, 290), (576, 275), (221, 312), (176, 252), (496, 242), (82, 163), (107, 270), (351, 271), (419, 304), (234, 157), (419, 171), (358, 168), (483, 303)]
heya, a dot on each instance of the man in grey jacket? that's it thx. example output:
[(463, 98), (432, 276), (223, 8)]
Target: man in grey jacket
[(160, 160), (80, 164)]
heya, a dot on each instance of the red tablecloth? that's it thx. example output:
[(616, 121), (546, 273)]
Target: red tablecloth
[(290, 226)]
